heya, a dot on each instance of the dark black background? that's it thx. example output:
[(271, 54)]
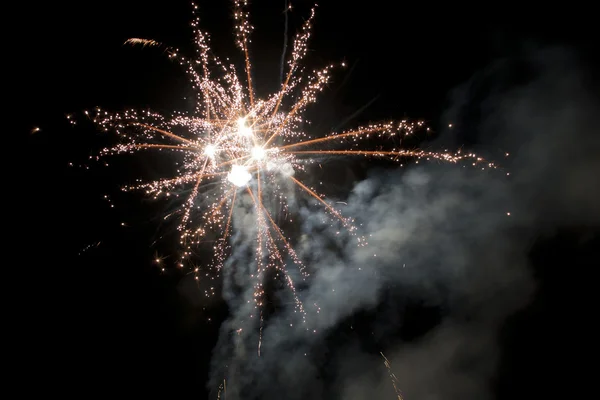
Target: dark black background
[(107, 320)]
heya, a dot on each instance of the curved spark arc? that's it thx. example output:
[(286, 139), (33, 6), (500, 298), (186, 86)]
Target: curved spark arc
[(243, 144)]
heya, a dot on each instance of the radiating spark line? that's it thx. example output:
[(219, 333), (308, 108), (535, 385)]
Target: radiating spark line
[(191, 200), (298, 54), (288, 246), (275, 251), (143, 42), (161, 146), (244, 29), (228, 224), (308, 96), (222, 389), (169, 134), (354, 133), (393, 377), (260, 333), (316, 196), (285, 40), (290, 283), (377, 153)]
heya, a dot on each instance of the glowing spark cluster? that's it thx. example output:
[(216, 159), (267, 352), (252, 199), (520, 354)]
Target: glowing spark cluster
[(236, 144)]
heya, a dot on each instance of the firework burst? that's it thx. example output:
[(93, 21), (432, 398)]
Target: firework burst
[(235, 144)]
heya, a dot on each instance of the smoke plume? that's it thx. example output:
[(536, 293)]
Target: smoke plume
[(454, 238)]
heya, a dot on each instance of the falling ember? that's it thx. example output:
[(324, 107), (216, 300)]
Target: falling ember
[(236, 145), (393, 377), (142, 42)]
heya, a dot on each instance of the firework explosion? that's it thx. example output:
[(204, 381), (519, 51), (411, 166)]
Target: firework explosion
[(235, 145)]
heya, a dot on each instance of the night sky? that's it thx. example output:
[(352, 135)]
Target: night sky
[(98, 315)]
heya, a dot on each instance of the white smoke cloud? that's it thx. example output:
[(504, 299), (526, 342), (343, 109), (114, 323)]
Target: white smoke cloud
[(441, 233)]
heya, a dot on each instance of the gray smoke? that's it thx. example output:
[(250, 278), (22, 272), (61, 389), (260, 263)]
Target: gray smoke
[(454, 237)]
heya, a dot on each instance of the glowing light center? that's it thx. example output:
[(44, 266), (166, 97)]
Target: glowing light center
[(239, 175), (244, 130), (210, 150), (258, 153)]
